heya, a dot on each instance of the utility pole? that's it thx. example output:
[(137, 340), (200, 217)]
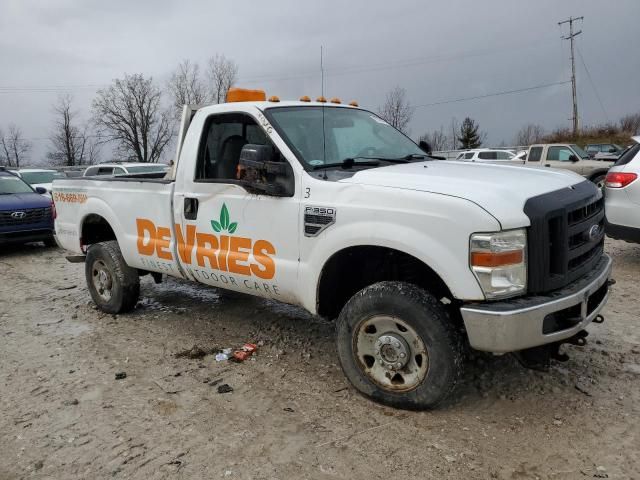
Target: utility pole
[(570, 37)]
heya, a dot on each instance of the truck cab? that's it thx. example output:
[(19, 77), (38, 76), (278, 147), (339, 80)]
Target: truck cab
[(570, 157)]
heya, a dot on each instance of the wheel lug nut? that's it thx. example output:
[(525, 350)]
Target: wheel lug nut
[(399, 365), (396, 344), (402, 355)]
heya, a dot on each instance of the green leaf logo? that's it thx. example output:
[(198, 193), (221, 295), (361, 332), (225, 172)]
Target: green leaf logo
[(225, 222), (224, 217)]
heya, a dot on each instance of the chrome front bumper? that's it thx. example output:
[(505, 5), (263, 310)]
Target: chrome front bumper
[(517, 324)]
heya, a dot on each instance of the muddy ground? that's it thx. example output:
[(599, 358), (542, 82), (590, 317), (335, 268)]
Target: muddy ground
[(291, 413)]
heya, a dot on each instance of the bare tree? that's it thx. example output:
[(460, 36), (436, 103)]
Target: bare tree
[(129, 113), (186, 86), (14, 148), (630, 123), (437, 139), (396, 110), (70, 144), (529, 134), (221, 74)]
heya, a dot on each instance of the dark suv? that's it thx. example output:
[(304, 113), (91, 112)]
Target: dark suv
[(25, 214)]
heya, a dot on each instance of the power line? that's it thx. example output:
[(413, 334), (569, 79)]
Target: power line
[(496, 94), (595, 90)]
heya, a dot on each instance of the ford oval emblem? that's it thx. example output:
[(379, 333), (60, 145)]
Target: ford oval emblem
[(592, 234)]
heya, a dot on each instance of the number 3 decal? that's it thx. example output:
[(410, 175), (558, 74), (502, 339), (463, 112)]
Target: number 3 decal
[(307, 192)]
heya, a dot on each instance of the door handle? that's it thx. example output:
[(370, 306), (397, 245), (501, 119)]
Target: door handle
[(190, 208)]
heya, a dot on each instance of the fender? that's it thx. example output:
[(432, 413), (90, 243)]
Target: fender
[(440, 247)]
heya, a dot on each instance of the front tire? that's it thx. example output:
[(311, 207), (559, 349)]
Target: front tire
[(113, 285), (50, 242), (398, 346)]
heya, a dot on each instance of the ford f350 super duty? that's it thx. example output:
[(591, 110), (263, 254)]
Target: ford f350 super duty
[(326, 206)]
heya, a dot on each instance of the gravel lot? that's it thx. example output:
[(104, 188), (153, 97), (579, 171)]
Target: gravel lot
[(291, 413)]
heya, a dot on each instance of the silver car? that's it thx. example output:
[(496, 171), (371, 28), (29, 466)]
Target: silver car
[(622, 196)]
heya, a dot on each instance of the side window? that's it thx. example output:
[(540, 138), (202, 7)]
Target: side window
[(561, 154), (534, 154), (488, 155), (468, 155), (504, 156), (105, 170), (222, 140), (119, 171), (91, 171)]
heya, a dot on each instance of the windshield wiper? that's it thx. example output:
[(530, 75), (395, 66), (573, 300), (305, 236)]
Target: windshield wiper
[(350, 163)]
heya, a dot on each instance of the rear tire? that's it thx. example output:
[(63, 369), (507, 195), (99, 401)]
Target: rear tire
[(398, 346), (113, 285)]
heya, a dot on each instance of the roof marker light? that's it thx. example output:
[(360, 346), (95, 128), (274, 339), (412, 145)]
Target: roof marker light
[(305, 98), (274, 98), (245, 95), (353, 103), (335, 100), (321, 99)]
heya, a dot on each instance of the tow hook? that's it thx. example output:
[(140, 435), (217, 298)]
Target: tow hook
[(539, 358)]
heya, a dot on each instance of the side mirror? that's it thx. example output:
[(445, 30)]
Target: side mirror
[(259, 173), (41, 190), (573, 158), (425, 147)]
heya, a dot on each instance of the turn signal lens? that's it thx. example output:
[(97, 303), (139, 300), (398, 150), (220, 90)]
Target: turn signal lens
[(489, 259), (619, 179)]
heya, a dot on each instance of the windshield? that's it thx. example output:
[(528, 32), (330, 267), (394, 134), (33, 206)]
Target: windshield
[(579, 151), (147, 168), (349, 133), (11, 184), (33, 178)]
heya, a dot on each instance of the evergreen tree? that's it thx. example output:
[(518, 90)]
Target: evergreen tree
[(469, 135)]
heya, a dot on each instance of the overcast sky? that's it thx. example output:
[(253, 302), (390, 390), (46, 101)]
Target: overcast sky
[(436, 50)]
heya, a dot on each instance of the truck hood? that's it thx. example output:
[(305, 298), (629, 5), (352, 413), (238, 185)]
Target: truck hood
[(18, 201), (501, 190)]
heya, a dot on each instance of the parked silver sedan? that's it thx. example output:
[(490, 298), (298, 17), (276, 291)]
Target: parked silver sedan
[(622, 196)]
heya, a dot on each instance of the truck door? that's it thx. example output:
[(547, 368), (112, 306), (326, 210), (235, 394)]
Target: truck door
[(559, 156), (229, 237)]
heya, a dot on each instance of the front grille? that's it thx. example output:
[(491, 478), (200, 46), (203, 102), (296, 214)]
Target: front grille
[(563, 241), (27, 216)]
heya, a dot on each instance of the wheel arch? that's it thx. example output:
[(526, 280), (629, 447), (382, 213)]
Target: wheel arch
[(353, 268)]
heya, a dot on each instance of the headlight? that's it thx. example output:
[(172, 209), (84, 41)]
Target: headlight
[(499, 262)]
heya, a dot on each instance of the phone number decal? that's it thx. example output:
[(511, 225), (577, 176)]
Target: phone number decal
[(71, 197)]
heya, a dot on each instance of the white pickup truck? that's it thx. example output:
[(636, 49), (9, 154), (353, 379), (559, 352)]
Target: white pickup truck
[(326, 206)]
